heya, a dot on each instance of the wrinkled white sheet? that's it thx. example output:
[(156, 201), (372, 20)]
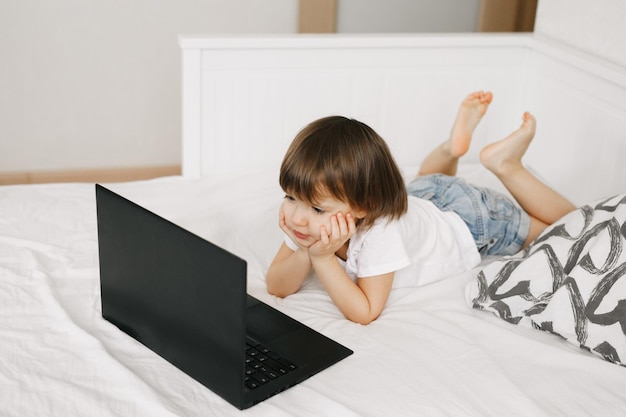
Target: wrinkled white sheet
[(428, 354)]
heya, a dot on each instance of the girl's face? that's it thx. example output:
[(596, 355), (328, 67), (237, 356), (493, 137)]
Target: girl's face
[(304, 220)]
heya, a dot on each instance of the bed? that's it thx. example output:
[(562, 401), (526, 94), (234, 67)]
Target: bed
[(437, 350)]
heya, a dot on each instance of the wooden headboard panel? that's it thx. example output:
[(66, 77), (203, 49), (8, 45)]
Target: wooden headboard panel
[(244, 98)]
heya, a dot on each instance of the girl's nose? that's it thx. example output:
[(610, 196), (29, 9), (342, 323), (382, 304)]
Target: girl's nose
[(299, 217)]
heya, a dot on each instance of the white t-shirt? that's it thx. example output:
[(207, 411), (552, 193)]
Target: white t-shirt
[(423, 246)]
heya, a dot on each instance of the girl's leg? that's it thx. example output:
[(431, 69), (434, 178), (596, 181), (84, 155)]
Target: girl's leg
[(444, 159), (504, 158)]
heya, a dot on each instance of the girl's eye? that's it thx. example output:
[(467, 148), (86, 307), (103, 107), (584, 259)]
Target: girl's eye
[(290, 198), (318, 210)]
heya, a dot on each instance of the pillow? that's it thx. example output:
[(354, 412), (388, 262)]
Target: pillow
[(570, 281)]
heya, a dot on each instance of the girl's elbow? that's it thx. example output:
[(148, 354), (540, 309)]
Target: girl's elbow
[(364, 319), (277, 290)]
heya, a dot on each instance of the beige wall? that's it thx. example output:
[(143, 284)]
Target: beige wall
[(96, 83), (597, 27), (92, 85), (357, 16)]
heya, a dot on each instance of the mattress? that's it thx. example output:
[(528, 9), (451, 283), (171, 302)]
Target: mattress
[(429, 353)]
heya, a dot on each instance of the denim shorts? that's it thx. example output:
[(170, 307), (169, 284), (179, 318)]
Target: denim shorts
[(498, 225)]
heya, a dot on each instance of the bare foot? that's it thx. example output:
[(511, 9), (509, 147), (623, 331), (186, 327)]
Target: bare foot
[(472, 110), (502, 156)]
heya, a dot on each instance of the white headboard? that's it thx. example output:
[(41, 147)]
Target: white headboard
[(244, 99)]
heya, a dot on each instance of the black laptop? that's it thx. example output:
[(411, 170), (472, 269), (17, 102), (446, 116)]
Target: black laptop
[(185, 298)]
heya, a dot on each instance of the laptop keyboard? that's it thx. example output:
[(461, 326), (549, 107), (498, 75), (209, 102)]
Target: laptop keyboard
[(263, 365)]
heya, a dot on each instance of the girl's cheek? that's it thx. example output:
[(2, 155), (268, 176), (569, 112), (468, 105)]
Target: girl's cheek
[(317, 226), (286, 210)]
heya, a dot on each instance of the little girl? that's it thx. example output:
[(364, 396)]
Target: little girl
[(348, 215)]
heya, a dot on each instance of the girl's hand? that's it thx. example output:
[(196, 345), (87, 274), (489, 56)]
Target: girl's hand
[(342, 228)]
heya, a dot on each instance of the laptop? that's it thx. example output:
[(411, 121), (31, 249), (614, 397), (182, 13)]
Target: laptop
[(185, 298)]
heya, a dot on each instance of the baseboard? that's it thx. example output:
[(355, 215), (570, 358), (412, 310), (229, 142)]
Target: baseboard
[(89, 175)]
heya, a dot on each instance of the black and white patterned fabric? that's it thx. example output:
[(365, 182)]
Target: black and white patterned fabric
[(570, 281)]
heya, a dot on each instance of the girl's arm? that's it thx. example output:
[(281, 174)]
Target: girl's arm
[(287, 271), (361, 302)]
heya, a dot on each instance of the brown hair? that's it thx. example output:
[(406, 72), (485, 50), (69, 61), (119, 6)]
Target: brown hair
[(349, 160)]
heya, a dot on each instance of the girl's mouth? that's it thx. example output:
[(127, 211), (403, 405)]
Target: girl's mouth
[(300, 236)]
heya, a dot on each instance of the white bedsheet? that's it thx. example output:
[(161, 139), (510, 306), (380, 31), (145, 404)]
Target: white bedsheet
[(429, 354)]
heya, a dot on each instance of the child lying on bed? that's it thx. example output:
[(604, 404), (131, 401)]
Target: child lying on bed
[(347, 216)]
